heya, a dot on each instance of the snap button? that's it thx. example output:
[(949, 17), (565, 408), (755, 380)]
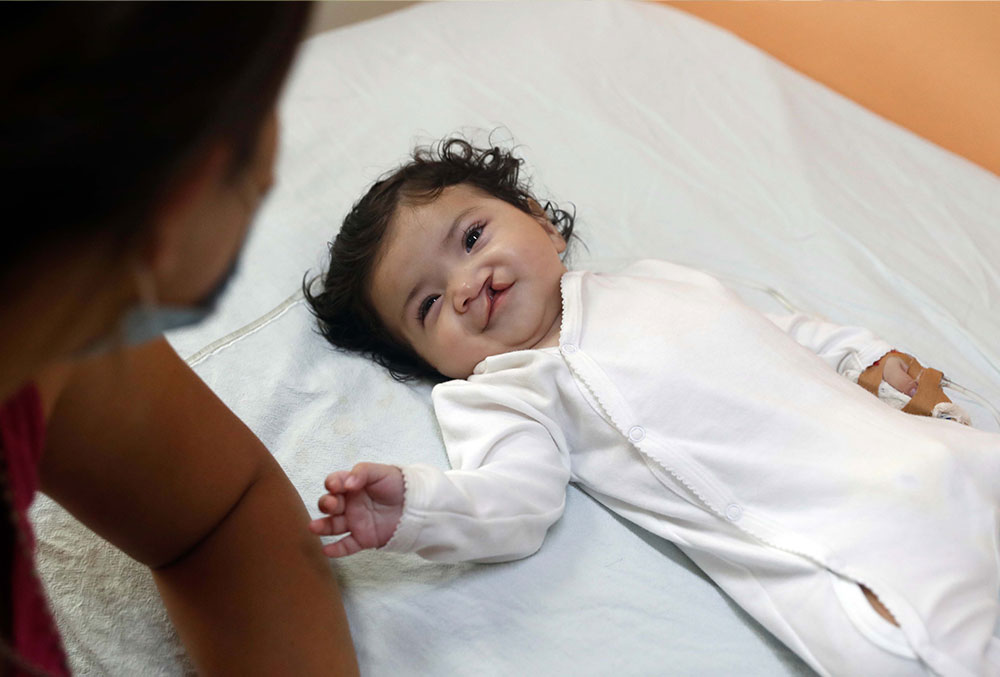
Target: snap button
[(733, 512), (569, 348), (636, 433)]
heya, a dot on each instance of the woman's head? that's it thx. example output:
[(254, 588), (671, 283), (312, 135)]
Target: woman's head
[(105, 106), (444, 260), (139, 135)]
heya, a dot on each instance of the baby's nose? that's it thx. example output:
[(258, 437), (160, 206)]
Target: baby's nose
[(465, 291)]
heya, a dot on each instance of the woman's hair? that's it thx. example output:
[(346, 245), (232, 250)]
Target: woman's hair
[(343, 306), (105, 105)]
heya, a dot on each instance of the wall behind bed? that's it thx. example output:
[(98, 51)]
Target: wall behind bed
[(932, 67)]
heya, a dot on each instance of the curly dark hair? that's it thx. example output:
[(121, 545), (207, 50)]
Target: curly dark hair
[(343, 306)]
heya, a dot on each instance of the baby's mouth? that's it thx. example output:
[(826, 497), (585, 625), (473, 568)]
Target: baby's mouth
[(493, 296)]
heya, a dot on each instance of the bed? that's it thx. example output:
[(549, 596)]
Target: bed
[(673, 139)]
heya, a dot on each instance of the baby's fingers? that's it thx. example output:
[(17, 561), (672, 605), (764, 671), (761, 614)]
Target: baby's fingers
[(896, 375), (329, 526), (334, 482), (321, 526), (362, 475), (332, 504), (342, 548)]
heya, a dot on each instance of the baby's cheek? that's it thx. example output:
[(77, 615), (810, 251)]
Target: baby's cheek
[(443, 354), (465, 357)]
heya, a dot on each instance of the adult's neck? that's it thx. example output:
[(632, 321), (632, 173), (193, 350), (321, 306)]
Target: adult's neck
[(53, 308)]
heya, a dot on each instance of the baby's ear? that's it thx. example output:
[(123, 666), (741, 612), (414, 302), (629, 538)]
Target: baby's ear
[(540, 215), (536, 209), (550, 228)]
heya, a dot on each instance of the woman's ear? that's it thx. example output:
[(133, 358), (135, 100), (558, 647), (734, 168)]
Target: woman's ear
[(181, 209)]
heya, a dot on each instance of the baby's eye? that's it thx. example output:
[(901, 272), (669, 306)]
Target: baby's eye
[(472, 235), (425, 307)]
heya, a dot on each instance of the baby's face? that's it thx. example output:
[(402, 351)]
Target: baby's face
[(468, 276)]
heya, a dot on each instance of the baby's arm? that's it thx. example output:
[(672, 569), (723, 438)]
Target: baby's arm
[(856, 353), (849, 350), (499, 512), (845, 349), (506, 488)]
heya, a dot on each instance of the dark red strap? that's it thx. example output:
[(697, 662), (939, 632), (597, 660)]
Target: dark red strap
[(22, 428)]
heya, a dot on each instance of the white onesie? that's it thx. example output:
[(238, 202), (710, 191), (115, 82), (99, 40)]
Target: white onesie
[(732, 434)]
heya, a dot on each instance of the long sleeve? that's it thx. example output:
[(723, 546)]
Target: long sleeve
[(836, 345), (507, 485), (845, 349)]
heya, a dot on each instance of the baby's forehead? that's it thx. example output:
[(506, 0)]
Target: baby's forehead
[(419, 221), (384, 289), (397, 263), (458, 196)]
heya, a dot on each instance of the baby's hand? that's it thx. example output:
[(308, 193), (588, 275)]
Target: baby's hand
[(365, 503), (895, 374)]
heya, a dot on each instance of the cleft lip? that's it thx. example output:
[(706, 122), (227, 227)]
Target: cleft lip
[(490, 300), (493, 296)]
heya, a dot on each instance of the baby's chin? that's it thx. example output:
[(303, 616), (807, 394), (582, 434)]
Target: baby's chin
[(457, 372), (462, 371)]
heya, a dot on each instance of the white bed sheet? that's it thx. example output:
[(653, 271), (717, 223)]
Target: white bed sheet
[(674, 139)]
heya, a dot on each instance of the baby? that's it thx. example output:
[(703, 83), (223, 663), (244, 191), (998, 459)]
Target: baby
[(864, 538)]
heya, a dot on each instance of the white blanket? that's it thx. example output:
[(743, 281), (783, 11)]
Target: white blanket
[(674, 140)]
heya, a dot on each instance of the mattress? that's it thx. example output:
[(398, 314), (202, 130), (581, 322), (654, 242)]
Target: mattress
[(672, 139)]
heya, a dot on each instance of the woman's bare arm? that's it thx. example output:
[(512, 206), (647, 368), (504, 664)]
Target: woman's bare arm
[(143, 453)]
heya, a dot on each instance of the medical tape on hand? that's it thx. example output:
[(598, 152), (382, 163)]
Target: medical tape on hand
[(929, 392)]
